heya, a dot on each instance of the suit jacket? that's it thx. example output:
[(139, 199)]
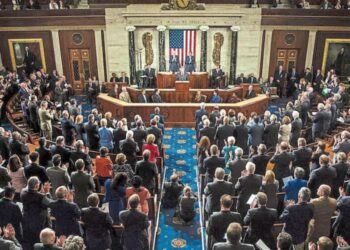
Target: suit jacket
[(135, 234), (142, 99), (148, 171), (323, 175), (156, 98), (78, 154), (213, 191), (58, 177), (302, 158), (63, 152), (342, 170), (318, 123), (295, 132), (209, 132), (67, 216), (11, 213), (240, 80), (250, 94), (217, 75), (45, 119), (260, 222), (343, 205), (93, 137), (271, 135), (182, 77), (125, 79), (171, 195), (260, 162), (256, 131), (174, 63), (241, 135), (9, 244), (157, 133), (230, 246), (222, 133), (4, 147), (246, 186), (198, 115), (252, 79), (190, 62), (83, 186), (118, 135), (343, 146), (210, 164), (33, 111), (35, 170), (98, 228), (236, 167), (68, 129), (129, 148), (45, 156), (140, 136), (329, 5), (41, 246), (20, 149), (218, 223), (296, 220), (282, 161)]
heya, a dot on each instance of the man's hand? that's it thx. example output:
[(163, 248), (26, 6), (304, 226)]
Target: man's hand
[(9, 232), (60, 240), (341, 191)]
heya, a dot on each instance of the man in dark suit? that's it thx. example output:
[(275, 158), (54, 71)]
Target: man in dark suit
[(324, 175), (280, 77), (153, 129), (190, 63), (233, 235), (296, 218), (174, 63), (118, 135), (252, 79), (34, 169), (342, 167), (91, 90), (217, 76), (33, 113), (210, 164), (292, 80), (318, 121), (260, 160), (219, 221), (60, 149), (91, 129), (98, 225), (66, 213), (10, 213), (172, 192), (82, 183), (271, 132), (68, 127), (326, 5), (124, 78), (182, 75), (19, 147), (241, 79), (241, 134), (214, 190), (148, 171), (223, 132), (143, 97), (140, 133), (79, 153), (207, 131), (129, 148), (150, 76), (4, 145), (260, 221), (282, 160), (199, 113), (247, 185), (256, 132), (237, 166), (343, 206), (135, 224), (295, 132), (157, 112), (342, 143), (156, 98), (114, 78), (318, 80), (302, 157)]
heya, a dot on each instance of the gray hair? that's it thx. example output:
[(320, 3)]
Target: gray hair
[(219, 173), (299, 172), (129, 134), (304, 193), (295, 114), (250, 167), (73, 242), (33, 182), (239, 152)]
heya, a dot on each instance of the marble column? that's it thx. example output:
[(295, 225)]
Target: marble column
[(161, 47), (99, 55), (57, 51), (233, 60), (310, 49), (204, 43), (132, 59)]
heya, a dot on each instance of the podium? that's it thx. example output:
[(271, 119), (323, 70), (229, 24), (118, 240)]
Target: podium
[(165, 80), (182, 91), (199, 80)]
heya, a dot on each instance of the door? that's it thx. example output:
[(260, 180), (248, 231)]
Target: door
[(287, 58), (80, 66)]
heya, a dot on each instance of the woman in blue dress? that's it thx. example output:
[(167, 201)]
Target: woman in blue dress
[(115, 195), (229, 150)]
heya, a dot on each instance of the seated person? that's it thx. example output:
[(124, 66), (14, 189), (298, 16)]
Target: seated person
[(150, 76), (143, 97), (33, 5), (53, 5), (172, 192), (252, 79), (124, 78), (187, 211), (156, 98), (124, 95), (303, 5), (182, 75), (325, 5), (215, 98), (199, 98), (241, 79), (114, 78), (114, 92), (250, 93), (217, 77), (234, 98)]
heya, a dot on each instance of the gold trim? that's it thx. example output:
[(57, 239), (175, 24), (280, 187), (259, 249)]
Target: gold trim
[(31, 40), (326, 47)]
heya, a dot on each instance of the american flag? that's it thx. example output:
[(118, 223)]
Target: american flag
[(182, 42)]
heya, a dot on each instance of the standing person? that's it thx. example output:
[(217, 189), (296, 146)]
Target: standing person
[(152, 147), (16, 172), (98, 225), (292, 187), (46, 116), (57, 174), (174, 62), (270, 188), (129, 148), (229, 149), (141, 191), (172, 192), (260, 160), (190, 63), (187, 210), (148, 171), (302, 157), (279, 77), (103, 166), (91, 129), (296, 127), (106, 135), (223, 132)]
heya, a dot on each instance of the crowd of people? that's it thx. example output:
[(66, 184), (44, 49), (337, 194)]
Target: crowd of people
[(36, 5)]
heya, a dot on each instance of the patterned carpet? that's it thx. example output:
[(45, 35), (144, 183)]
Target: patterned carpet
[(180, 152)]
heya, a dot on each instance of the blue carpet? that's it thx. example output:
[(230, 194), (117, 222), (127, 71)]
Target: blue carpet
[(180, 152)]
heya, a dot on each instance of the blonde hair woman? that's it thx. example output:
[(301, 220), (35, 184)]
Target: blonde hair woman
[(122, 167), (229, 149), (270, 188), (285, 130), (79, 127), (152, 147), (108, 117)]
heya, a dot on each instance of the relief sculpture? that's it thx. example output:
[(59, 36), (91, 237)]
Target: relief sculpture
[(147, 43), (218, 42)]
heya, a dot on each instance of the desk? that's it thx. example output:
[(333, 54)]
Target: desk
[(197, 80), (176, 114)]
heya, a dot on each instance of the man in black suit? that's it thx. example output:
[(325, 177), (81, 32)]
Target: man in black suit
[(233, 235), (199, 113), (324, 175), (124, 78), (241, 134), (237, 166), (260, 160), (256, 132), (296, 218), (66, 213), (34, 169), (302, 157), (318, 122), (342, 143), (207, 131), (282, 160), (130, 148), (79, 153), (98, 225), (135, 235), (114, 78), (210, 164), (118, 135), (252, 79), (157, 112), (223, 132), (280, 77), (150, 76), (271, 132), (143, 97), (60, 149), (4, 145), (219, 221), (295, 132), (241, 79), (318, 80), (157, 132), (91, 129), (140, 133), (292, 80), (249, 183), (91, 90), (68, 128), (148, 171), (214, 190), (19, 147), (217, 76), (10, 212), (172, 192), (260, 221), (341, 166), (304, 109), (33, 113)]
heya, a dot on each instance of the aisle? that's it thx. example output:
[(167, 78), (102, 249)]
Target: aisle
[(180, 155)]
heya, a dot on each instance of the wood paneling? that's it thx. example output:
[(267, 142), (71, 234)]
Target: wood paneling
[(176, 114), (44, 35), (299, 44), (88, 43), (321, 37), (72, 17), (126, 2)]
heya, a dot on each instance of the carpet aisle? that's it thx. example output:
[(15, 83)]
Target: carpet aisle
[(180, 152)]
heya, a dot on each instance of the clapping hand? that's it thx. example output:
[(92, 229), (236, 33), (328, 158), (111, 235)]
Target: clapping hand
[(341, 191), (60, 240), (341, 242)]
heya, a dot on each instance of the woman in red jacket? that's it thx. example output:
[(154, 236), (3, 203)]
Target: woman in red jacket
[(153, 148)]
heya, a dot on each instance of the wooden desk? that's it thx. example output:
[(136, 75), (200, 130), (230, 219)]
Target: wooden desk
[(165, 80), (197, 80), (176, 114)]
